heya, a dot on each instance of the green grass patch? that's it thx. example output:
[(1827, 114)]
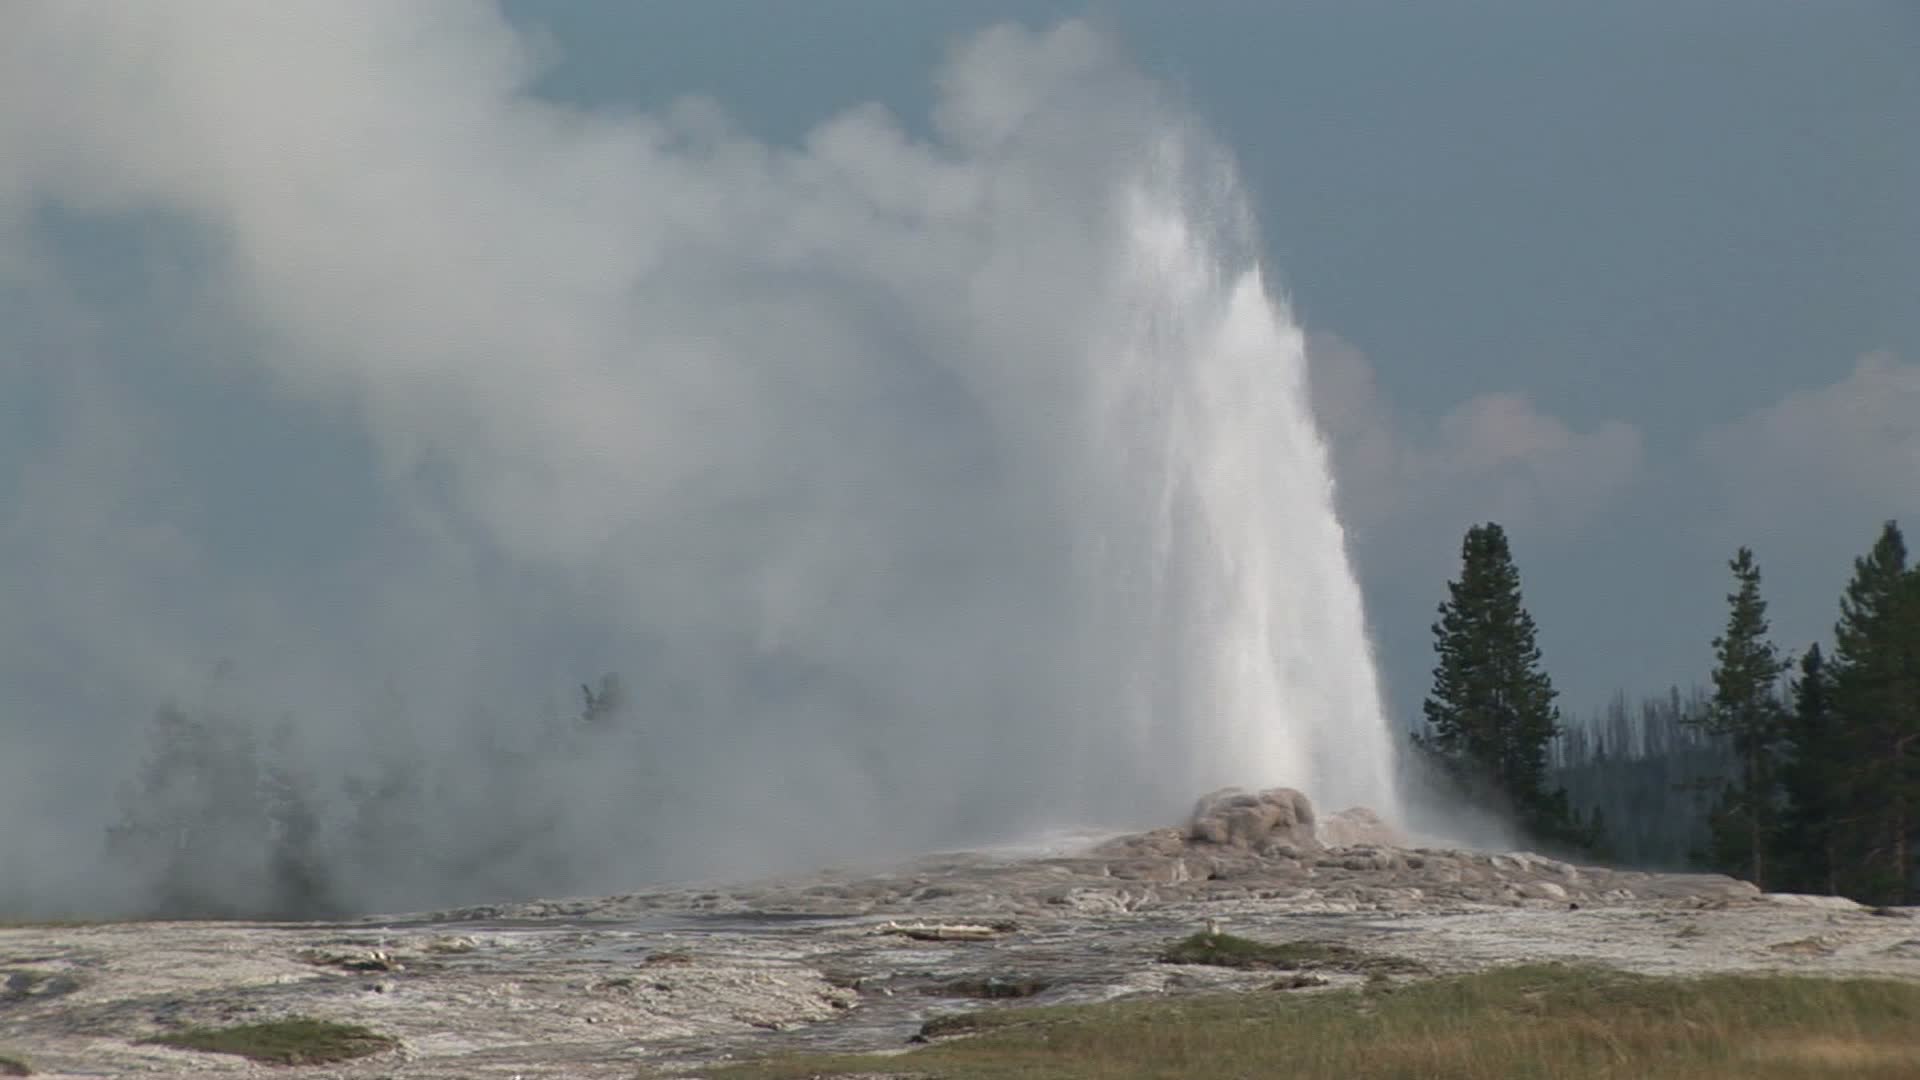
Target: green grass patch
[(1226, 950), (14, 1065), (295, 1041), (1535, 1021)]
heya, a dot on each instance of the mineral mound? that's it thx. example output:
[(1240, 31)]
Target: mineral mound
[(1277, 821)]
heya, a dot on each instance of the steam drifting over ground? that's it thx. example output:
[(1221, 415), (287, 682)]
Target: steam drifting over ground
[(920, 491)]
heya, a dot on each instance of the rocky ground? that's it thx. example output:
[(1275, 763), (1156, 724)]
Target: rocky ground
[(663, 980)]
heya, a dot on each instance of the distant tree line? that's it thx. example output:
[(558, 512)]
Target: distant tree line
[(1642, 772), (1798, 773), (219, 823)]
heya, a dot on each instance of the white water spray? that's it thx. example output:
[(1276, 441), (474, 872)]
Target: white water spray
[(1214, 571)]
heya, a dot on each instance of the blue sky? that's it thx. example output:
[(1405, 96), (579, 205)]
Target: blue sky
[(431, 357)]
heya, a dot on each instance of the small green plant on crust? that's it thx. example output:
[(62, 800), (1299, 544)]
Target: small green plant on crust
[(951, 1024), (20, 984), (294, 1041), (995, 987), (14, 1065), (1226, 950)]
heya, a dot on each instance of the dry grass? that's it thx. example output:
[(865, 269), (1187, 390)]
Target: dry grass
[(294, 1041), (1538, 1021), (14, 1065)]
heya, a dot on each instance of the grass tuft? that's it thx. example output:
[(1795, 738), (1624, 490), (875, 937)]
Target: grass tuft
[(1226, 950), (14, 1065), (1543, 1020), (294, 1041)]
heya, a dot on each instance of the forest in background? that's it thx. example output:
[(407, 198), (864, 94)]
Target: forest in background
[(221, 823), (1644, 771), (1799, 773)]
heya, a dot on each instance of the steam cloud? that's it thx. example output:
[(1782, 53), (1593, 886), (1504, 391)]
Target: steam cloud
[(360, 397)]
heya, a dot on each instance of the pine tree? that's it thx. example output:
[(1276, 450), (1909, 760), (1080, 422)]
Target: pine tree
[(1815, 758), (1491, 713), (1746, 709), (1876, 693)]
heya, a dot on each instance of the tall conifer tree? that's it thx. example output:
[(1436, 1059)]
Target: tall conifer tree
[(1876, 690), (1746, 709), (1491, 713), (1815, 758)]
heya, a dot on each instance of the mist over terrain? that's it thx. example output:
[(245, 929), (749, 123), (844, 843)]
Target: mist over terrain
[(452, 451), (429, 492)]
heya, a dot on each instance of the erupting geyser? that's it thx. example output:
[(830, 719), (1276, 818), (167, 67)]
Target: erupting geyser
[(1214, 573), (923, 487)]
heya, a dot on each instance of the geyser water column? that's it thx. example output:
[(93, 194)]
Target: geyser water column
[(1213, 568)]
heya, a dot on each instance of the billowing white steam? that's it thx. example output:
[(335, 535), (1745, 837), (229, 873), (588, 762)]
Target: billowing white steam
[(918, 488)]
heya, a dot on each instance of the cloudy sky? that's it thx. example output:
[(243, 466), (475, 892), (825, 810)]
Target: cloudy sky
[(1637, 280)]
